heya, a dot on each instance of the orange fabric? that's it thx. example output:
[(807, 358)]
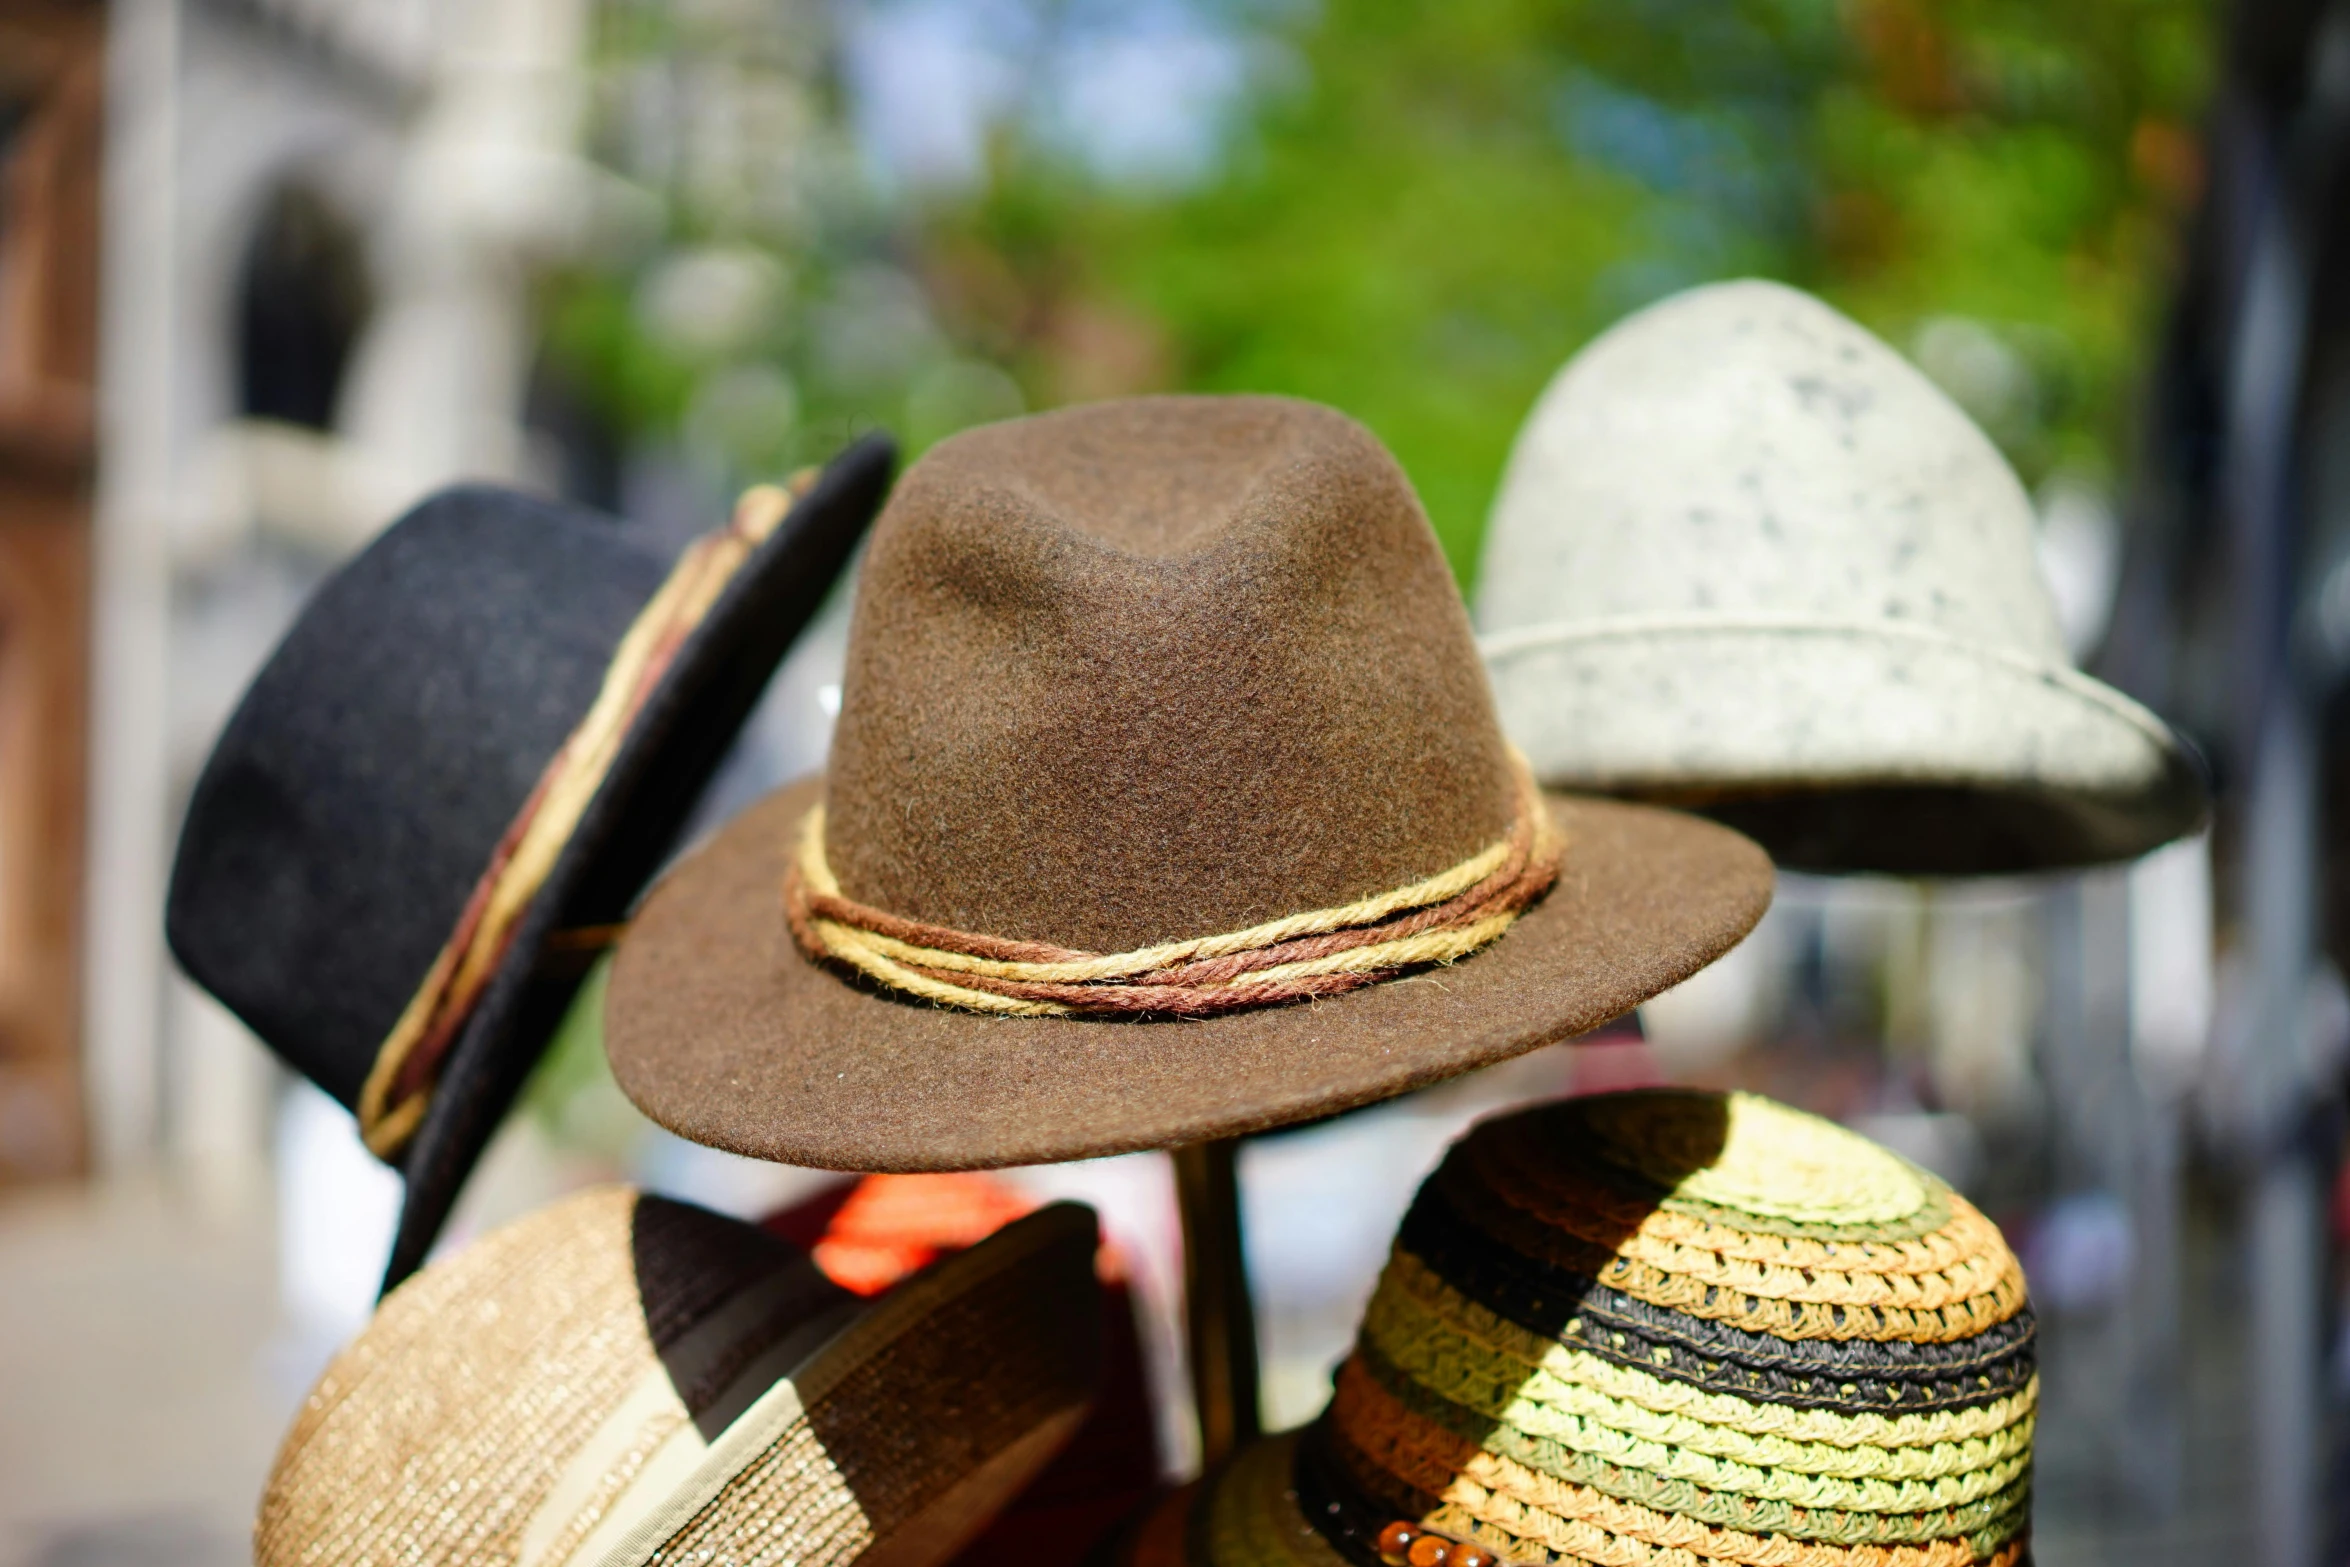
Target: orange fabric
[(894, 1225), (869, 1233)]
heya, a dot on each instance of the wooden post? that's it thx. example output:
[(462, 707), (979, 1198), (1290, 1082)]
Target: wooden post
[(50, 181), (1222, 1320)]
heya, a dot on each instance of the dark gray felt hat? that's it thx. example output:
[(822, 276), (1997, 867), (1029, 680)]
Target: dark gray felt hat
[(1167, 705), (374, 781)]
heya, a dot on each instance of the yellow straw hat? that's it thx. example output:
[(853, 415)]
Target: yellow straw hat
[(1657, 1329), (621, 1380)]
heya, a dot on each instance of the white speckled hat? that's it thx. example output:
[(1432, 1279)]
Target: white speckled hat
[(1747, 559)]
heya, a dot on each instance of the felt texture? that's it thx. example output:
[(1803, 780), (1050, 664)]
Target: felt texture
[(358, 791), (1745, 550), (721, 1030), (1122, 674), (356, 795), (1152, 669)]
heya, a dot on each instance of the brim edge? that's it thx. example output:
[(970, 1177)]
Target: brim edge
[(419, 1225)]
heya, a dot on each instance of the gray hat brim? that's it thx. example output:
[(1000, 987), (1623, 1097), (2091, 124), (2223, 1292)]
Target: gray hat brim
[(1849, 747)]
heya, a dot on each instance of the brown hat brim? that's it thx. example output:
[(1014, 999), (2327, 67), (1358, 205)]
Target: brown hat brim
[(724, 1032)]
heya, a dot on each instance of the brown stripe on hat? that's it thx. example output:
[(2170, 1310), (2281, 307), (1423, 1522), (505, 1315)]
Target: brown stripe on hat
[(892, 1441)]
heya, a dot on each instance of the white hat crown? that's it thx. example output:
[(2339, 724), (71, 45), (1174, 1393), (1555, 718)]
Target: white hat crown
[(1742, 450), (1746, 558)]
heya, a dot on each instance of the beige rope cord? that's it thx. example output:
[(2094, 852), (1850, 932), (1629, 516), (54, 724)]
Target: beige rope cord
[(1440, 919), (399, 1085)]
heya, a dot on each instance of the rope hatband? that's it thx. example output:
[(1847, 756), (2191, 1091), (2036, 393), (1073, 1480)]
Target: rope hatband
[(1439, 920), (407, 1065)]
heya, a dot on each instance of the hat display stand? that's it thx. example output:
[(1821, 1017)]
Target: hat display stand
[(1220, 1316), (1173, 800), (1746, 559), (1166, 805)]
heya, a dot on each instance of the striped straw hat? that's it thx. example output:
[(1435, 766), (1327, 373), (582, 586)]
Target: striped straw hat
[(621, 1380), (1660, 1327)]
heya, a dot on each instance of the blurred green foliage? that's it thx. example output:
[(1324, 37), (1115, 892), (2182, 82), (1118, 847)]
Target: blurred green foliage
[(1418, 212)]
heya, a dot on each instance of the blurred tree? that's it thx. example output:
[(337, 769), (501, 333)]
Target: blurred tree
[(738, 308), (1417, 212)]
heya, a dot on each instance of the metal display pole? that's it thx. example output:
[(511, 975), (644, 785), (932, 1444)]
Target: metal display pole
[(1221, 1319), (2269, 361)]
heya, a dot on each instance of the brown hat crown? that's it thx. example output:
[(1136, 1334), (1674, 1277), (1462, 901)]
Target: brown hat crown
[(1143, 670)]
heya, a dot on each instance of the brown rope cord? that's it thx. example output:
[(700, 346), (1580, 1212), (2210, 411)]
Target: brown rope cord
[(1327, 951)]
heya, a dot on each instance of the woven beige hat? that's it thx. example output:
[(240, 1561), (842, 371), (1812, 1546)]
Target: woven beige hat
[(1746, 558), (621, 1380)]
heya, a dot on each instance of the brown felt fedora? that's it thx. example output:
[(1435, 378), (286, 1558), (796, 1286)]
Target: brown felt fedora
[(1165, 705)]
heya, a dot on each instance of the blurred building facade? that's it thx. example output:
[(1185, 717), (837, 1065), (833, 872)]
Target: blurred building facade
[(324, 218)]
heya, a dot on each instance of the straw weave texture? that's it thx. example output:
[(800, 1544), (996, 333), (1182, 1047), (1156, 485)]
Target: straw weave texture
[(1484, 1345), (435, 1435), (1664, 1329), (888, 1438)]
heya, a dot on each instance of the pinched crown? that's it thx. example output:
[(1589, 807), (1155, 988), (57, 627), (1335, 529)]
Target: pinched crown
[(1141, 671), (1743, 452)]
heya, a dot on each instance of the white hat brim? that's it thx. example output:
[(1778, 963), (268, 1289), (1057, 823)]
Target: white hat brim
[(1849, 747)]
